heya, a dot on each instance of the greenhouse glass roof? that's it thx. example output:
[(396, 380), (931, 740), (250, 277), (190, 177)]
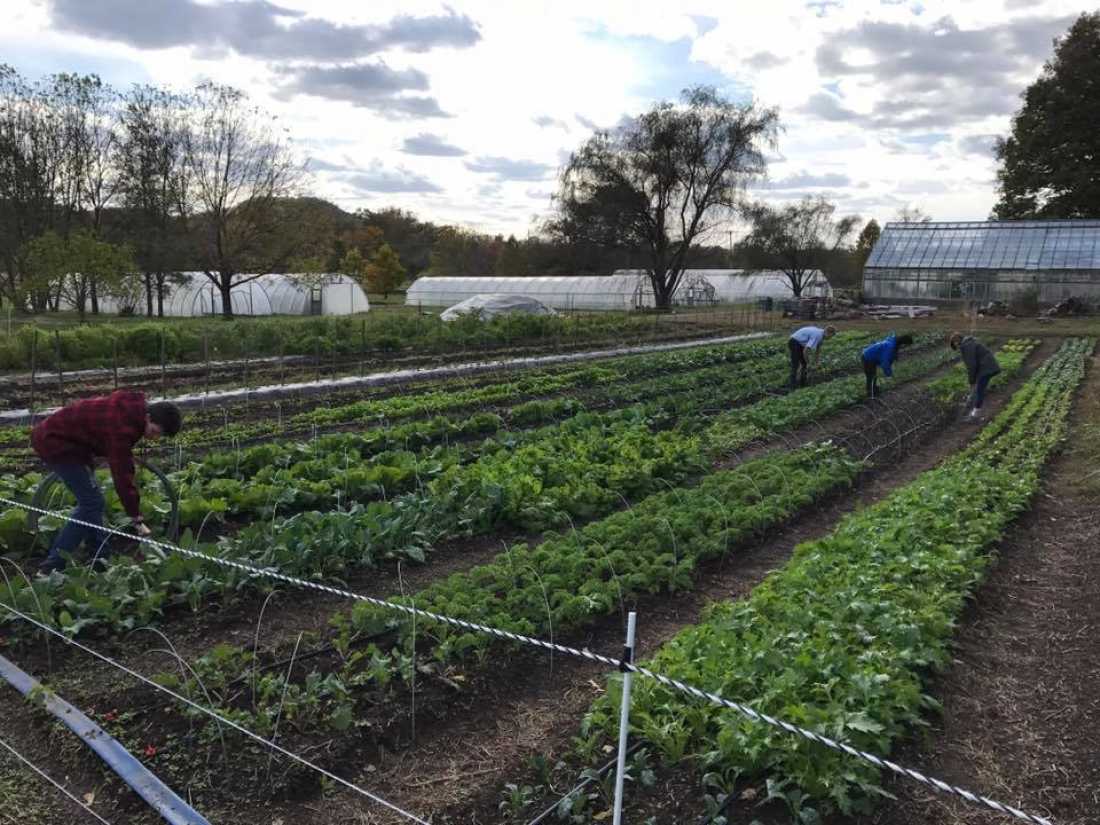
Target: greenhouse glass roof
[(1002, 245)]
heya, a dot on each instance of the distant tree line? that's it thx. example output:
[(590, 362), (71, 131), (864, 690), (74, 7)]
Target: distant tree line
[(111, 194)]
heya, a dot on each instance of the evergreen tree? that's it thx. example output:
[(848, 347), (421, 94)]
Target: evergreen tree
[(1050, 163)]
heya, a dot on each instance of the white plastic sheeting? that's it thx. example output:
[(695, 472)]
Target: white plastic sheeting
[(624, 290), (488, 307), (273, 294), (566, 292), (738, 286)]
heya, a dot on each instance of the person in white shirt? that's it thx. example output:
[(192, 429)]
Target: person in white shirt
[(806, 338)]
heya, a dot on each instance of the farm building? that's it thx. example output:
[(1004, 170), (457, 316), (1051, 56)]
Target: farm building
[(985, 261), (274, 294), (624, 290)]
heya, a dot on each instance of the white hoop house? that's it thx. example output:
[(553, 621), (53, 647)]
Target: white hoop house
[(275, 294), (624, 290)]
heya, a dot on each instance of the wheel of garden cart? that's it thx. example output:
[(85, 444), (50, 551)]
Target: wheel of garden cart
[(53, 484)]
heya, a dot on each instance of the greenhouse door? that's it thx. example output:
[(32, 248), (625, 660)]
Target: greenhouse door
[(316, 302)]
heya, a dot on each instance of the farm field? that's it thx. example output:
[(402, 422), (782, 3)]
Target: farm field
[(878, 571), (42, 367)]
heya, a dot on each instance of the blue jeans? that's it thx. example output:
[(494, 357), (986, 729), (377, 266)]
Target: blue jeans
[(90, 507), (980, 387)]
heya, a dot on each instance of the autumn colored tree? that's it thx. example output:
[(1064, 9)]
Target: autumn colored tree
[(385, 272)]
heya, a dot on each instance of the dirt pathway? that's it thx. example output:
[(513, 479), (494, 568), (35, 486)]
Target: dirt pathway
[(455, 771), (458, 765), (1021, 717)]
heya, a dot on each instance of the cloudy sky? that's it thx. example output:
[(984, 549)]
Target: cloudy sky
[(464, 112)]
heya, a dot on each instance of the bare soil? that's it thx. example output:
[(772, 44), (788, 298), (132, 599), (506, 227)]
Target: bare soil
[(456, 767), (531, 706), (1021, 720)]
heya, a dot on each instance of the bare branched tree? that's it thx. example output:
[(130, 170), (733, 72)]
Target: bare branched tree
[(240, 164), (89, 110), (912, 214), (32, 174), (796, 239), (660, 183), (150, 159)]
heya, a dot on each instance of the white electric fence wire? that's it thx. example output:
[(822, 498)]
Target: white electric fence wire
[(52, 781), (744, 710), (239, 728)]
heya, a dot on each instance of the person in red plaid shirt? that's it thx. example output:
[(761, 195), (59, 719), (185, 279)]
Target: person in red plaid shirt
[(71, 439)]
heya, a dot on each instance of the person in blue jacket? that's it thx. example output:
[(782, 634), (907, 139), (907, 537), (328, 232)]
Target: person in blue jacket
[(882, 354)]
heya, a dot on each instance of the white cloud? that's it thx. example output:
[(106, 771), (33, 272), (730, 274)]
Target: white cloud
[(521, 87)]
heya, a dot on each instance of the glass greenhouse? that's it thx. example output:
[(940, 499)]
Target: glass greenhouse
[(275, 294), (985, 261), (624, 290)]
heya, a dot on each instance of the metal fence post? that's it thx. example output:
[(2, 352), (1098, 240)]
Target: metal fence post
[(163, 369), (114, 359), (60, 372), (624, 718), (34, 362)]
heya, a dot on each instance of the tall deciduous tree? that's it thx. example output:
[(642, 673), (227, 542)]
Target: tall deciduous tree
[(512, 260), (912, 214), (797, 239), (33, 177), (153, 181), (355, 266), (661, 182), (385, 272), (240, 165), (866, 242), (1050, 163), (89, 110), (68, 267)]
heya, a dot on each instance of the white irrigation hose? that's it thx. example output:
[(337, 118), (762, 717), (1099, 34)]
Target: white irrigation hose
[(239, 728)]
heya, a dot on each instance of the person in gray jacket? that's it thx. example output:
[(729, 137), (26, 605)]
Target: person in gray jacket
[(980, 365)]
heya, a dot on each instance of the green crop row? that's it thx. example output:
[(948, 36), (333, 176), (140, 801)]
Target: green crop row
[(842, 638), (1010, 356), (580, 468), (555, 587), (732, 431), (194, 341), (271, 479)]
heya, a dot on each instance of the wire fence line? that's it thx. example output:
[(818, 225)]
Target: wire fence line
[(222, 720), (28, 763), (620, 663)]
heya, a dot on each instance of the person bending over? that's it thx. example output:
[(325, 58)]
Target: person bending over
[(981, 366), (806, 338), (882, 354), (71, 439)]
